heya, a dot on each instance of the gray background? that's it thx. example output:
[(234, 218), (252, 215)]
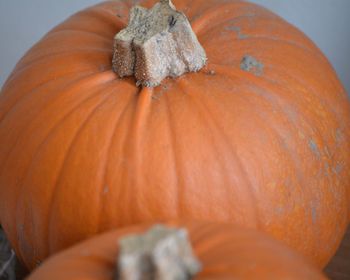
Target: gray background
[(326, 22)]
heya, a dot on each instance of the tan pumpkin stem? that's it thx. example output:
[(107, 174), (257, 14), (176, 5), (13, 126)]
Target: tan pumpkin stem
[(160, 253), (157, 43)]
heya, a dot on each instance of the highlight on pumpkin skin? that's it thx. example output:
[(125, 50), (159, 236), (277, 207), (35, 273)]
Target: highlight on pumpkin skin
[(157, 43), (178, 250)]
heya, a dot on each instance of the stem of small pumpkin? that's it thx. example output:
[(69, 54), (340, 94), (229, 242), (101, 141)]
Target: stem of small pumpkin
[(160, 253), (157, 43)]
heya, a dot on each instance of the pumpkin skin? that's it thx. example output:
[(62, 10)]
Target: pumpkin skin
[(225, 252), (82, 151)]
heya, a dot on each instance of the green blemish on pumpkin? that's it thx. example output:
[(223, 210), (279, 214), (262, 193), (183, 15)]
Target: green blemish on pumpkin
[(338, 135), (280, 211), (238, 31), (314, 148), (313, 215), (338, 168), (326, 169), (252, 65), (105, 189)]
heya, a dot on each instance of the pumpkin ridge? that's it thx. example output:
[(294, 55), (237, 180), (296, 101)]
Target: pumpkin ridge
[(70, 147), (202, 232), (329, 188), (75, 33), (110, 16), (266, 99), (40, 63), (315, 133), (4, 112), (311, 92), (282, 41), (268, 127), (272, 129), (64, 40), (57, 54), (24, 178), (68, 87), (236, 23), (212, 124), (212, 244), (4, 162), (106, 162), (210, 40), (20, 185), (317, 55), (93, 14), (177, 166), (326, 104), (320, 99), (138, 127), (282, 97), (262, 96), (78, 30), (72, 28), (184, 86), (331, 112), (11, 89), (281, 87), (210, 29), (325, 64), (134, 148), (122, 140), (119, 178), (5, 158), (329, 109), (212, 15), (208, 43)]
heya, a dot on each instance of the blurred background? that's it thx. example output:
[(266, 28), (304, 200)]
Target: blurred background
[(326, 22)]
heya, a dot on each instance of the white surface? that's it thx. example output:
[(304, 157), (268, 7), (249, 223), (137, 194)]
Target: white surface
[(326, 22)]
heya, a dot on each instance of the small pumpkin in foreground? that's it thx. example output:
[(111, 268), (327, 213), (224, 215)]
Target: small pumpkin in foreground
[(205, 251), (258, 137)]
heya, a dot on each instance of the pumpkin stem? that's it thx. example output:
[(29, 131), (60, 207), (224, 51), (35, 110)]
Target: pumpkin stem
[(157, 43), (160, 253)]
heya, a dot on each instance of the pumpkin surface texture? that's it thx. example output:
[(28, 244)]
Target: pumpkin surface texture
[(259, 137), (224, 252)]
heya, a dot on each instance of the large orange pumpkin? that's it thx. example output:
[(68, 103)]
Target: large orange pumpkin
[(224, 252), (260, 137)]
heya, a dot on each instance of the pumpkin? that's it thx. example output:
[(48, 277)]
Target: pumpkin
[(223, 252), (259, 137)]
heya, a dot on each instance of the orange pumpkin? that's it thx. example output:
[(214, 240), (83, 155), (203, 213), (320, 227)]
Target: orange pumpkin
[(224, 252), (260, 137)]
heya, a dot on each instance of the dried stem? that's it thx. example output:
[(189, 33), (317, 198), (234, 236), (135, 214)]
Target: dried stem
[(161, 253), (157, 43)]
